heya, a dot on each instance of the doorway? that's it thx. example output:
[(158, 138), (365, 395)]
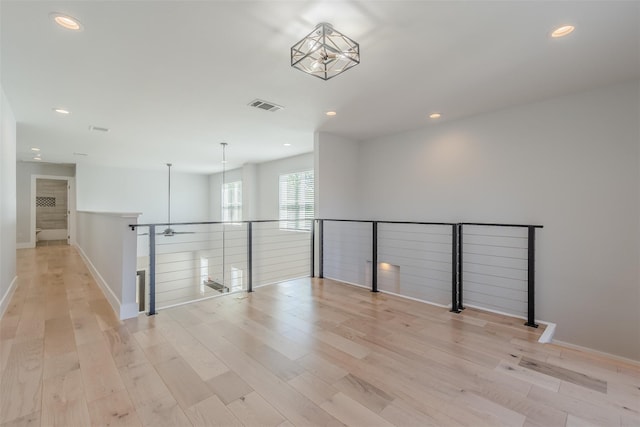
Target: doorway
[(52, 210)]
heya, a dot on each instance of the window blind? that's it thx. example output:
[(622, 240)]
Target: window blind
[(296, 200), (232, 201)]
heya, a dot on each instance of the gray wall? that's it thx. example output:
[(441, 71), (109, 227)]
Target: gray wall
[(7, 200), (570, 163), (110, 189), (24, 171)]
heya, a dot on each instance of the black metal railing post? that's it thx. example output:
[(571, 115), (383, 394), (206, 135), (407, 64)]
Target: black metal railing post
[(454, 268), (152, 270), (531, 279), (374, 257), (313, 247), (321, 249), (460, 265), (249, 257)]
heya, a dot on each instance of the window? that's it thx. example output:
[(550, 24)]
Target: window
[(296, 201), (232, 201)]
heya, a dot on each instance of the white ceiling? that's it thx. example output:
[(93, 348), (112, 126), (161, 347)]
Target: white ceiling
[(171, 80)]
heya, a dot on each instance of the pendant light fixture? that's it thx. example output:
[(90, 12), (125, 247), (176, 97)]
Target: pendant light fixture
[(325, 52)]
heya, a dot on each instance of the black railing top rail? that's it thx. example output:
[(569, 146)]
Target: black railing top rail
[(488, 224), (387, 222), (134, 226)]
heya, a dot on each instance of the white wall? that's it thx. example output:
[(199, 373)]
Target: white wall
[(268, 174), (109, 189), (7, 202), (102, 236), (24, 172), (336, 176), (260, 186), (569, 163)]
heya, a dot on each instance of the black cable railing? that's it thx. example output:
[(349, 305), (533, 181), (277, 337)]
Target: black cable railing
[(431, 273), (437, 262)]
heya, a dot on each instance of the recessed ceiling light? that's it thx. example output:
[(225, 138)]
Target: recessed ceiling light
[(331, 113), (37, 158), (35, 149), (62, 111), (565, 30), (287, 145), (435, 115), (66, 21)]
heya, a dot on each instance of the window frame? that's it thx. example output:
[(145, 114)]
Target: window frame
[(229, 208), (298, 218)]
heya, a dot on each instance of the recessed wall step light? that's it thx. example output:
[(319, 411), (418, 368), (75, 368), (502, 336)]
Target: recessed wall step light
[(265, 105), (80, 154), (98, 129)]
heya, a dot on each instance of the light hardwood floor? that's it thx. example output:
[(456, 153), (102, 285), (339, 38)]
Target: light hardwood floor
[(306, 352)]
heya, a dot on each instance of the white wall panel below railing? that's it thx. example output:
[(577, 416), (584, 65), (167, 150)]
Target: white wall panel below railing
[(279, 254), (348, 251), (414, 260), (495, 268)]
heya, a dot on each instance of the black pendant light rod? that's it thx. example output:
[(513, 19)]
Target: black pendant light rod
[(169, 198), (224, 167)]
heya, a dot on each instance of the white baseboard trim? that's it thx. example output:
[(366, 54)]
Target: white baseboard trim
[(6, 298), (391, 293), (596, 352), (545, 338), (106, 290), (549, 332), (348, 283), (25, 245), (128, 311)]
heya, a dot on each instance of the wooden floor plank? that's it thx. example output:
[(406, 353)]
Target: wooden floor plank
[(563, 374), (351, 412), (21, 380), (63, 402), (253, 410), (183, 382), (212, 412), (114, 410)]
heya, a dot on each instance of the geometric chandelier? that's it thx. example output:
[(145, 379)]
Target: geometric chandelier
[(325, 52)]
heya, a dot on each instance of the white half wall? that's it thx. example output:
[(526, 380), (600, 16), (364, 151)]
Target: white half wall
[(7, 202), (570, 163), (108, 247), (107, 189)]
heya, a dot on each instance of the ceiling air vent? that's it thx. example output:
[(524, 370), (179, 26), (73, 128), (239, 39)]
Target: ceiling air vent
[(265, 105), (98, 129)]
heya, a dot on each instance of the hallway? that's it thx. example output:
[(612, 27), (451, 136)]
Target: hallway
[(298, 353)]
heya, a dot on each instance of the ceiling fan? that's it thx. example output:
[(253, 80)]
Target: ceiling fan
[(168, 232)]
